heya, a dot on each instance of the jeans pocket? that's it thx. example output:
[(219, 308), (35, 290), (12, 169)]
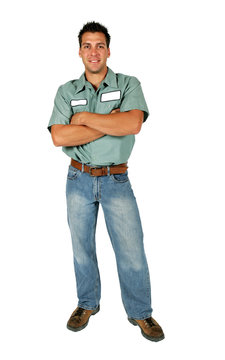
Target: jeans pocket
[(120, 178), (72, 173)]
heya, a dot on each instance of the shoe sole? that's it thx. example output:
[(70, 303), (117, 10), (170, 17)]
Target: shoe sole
[(83, 326), (133, 322)]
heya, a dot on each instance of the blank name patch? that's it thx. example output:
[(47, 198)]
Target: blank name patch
[(78, 102), (110, 96)]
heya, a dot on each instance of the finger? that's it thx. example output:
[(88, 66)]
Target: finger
[(115, 111)]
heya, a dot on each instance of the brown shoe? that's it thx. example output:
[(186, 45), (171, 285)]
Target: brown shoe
[(150, 329), (79, 318)]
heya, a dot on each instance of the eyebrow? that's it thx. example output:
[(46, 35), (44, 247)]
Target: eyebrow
[(88, 43)]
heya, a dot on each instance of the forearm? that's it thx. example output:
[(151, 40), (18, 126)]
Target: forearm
[(116, 124), (73, 135)]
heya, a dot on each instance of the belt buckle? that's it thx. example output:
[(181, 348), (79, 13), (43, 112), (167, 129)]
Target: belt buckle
[(90, 169)]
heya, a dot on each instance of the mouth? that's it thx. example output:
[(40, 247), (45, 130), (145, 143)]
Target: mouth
[(94, 61)]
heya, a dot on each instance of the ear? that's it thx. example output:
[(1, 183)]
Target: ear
[(108, 52), (79, 52)]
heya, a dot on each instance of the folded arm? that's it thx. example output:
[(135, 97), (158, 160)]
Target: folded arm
[(115, 124), (85, 127), (73, 135)]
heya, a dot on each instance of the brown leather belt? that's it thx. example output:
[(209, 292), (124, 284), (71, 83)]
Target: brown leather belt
[(100, 171)]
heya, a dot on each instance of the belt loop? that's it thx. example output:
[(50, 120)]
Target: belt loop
[(108, 168), (82, 168)]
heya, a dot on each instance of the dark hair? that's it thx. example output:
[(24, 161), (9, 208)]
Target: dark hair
[(94, 27)]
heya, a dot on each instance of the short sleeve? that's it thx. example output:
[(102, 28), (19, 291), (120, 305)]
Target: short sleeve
[(62, 112), (133, 98)]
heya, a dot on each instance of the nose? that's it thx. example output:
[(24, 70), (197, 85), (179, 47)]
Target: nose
[(93, 51)]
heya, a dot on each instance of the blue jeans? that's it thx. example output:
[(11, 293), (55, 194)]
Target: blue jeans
[(84, 194)]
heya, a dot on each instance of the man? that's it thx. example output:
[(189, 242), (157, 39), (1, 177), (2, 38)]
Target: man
[(95, 119)]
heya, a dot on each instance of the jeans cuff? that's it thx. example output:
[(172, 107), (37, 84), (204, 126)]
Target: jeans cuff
[(141, 317), (86, 307)]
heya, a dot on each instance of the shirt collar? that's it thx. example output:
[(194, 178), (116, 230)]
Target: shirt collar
[(109, 80), (80, 83)]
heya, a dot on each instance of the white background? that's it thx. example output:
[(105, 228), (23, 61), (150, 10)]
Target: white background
[(176, 49)]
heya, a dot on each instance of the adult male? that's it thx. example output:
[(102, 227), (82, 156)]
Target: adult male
[(95, 119)]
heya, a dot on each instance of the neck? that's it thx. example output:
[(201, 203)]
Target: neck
[(96, 79)]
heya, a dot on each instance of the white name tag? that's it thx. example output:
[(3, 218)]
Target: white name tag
[(78, 102), (113, 95)]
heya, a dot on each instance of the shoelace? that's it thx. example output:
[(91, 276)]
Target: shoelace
[(79, 312), (149, 322)]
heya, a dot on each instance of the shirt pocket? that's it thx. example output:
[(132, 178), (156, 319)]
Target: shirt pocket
[(106, 107), (79, 105), (109, 100)]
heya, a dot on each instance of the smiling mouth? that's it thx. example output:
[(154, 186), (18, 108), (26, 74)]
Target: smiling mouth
[(94, 61)]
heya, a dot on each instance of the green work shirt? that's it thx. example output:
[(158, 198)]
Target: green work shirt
[(115, 91)]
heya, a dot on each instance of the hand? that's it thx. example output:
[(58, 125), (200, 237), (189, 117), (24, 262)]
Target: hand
[(114, 111), (76, 119)]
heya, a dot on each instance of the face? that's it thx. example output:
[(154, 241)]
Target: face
[(94, 52)]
